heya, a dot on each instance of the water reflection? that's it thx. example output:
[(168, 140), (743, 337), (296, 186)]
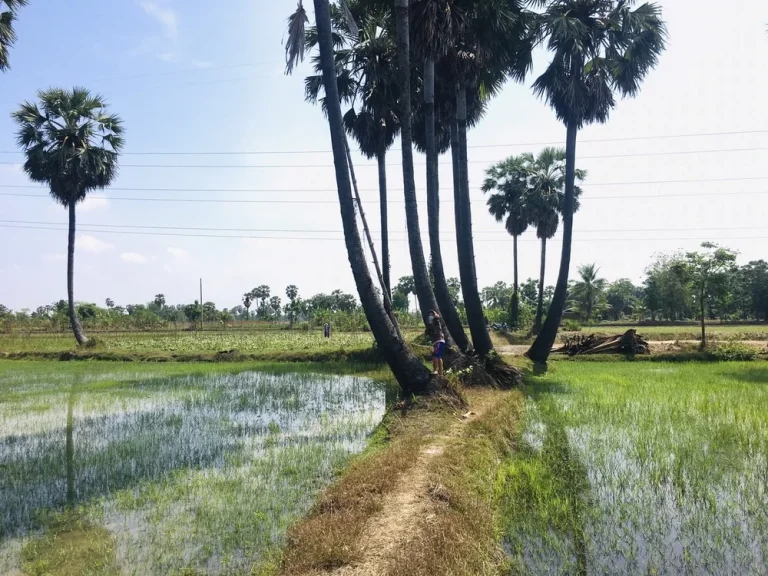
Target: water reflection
[(169, 464)]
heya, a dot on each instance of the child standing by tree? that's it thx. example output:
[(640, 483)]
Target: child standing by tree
[(438, 341)]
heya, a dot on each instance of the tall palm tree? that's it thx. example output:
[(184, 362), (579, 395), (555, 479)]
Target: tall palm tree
[(509, 178), (424, 292), (587, 292), (71, 144), (600, 47), (434, 22), (545, 199), (493, 44), (409, 371), (365, 71), (7, 33)]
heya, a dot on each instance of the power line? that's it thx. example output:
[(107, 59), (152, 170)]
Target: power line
[(341, 239), (333, 190), (337, 231), (376, 201), (474, 146), (331, 166)]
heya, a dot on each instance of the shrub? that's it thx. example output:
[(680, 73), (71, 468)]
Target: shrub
[(571, 326), (733, 351)]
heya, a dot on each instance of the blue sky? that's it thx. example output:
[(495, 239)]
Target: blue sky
[(189, 77)]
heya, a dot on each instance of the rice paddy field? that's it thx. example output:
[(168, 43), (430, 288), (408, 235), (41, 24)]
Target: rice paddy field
[(636, 468), (172, 469)]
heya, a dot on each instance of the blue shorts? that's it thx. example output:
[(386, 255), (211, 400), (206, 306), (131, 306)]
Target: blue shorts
[(439, 349)]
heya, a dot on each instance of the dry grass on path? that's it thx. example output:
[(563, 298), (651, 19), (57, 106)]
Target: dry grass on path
[(422, 504)]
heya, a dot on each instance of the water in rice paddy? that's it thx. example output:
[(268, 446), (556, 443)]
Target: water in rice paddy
[(203, 472)]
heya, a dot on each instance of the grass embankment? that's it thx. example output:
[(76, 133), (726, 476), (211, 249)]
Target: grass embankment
[(420, 501)]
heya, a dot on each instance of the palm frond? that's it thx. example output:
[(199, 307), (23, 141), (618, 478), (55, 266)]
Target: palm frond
[(296, 43)]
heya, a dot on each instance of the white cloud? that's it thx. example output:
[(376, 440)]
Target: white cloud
[(91, 244), (179, 253), (133, 258), (167, 268), (165, 16), (94, 202), (201, 63)]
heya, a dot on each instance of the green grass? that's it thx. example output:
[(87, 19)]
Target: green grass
[(169, 468), (641, 468)]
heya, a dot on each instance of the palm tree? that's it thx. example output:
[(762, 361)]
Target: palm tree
[(7, 33), (424, 292), (587, 293), (434, 23), (545, 199), (509, 178), (493, 44), (71, 144), (600, 47), (409, 371)]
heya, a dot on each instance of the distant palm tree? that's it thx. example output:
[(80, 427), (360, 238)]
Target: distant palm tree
[(71, 144), (600, 47), (545, 199), (509, 180), (7, 33), (587, 293)]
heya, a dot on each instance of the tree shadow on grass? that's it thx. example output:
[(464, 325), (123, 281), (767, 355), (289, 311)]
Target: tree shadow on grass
[(754, 374)]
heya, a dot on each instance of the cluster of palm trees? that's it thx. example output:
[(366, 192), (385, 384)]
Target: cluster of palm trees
[(427, 69), (529, 190)]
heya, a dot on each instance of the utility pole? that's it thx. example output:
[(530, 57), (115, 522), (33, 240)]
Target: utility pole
[(201, 304)]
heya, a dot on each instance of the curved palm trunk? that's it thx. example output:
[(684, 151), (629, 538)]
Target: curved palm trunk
[(409, 371), (381, 160), (74, 322), (442, 294), (515, 295), (542, 346), (424, 293), (540, 302), (475, 317)]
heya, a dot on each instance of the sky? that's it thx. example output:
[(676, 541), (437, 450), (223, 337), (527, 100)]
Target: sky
[(192, 82)]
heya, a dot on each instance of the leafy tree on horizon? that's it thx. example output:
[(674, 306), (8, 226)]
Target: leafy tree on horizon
[(599, 47), (247, 301), (71, 144), (7, 33)]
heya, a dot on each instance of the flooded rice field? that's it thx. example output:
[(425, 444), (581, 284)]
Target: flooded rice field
[(161, 473), (642, 469)]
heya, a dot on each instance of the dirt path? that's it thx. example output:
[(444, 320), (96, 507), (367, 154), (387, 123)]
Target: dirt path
[(656, 345), (396, 525)]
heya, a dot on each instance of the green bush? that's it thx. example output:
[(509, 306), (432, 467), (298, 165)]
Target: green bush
[(571, 326), (733, 351)]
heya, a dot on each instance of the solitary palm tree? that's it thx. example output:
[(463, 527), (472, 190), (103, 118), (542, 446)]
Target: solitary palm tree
[(600, 47), (7, 33), (71, 144), (588, 290), (409, 371), (545, 198), (509, 179)]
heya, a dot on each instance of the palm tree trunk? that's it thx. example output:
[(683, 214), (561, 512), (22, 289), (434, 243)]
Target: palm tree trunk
[(542, 346), (409, 371), (442, 294), (424, 293), (381, 159), (703, 329), (515, 295), (465, 247), (540, 302), (74, 322)]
